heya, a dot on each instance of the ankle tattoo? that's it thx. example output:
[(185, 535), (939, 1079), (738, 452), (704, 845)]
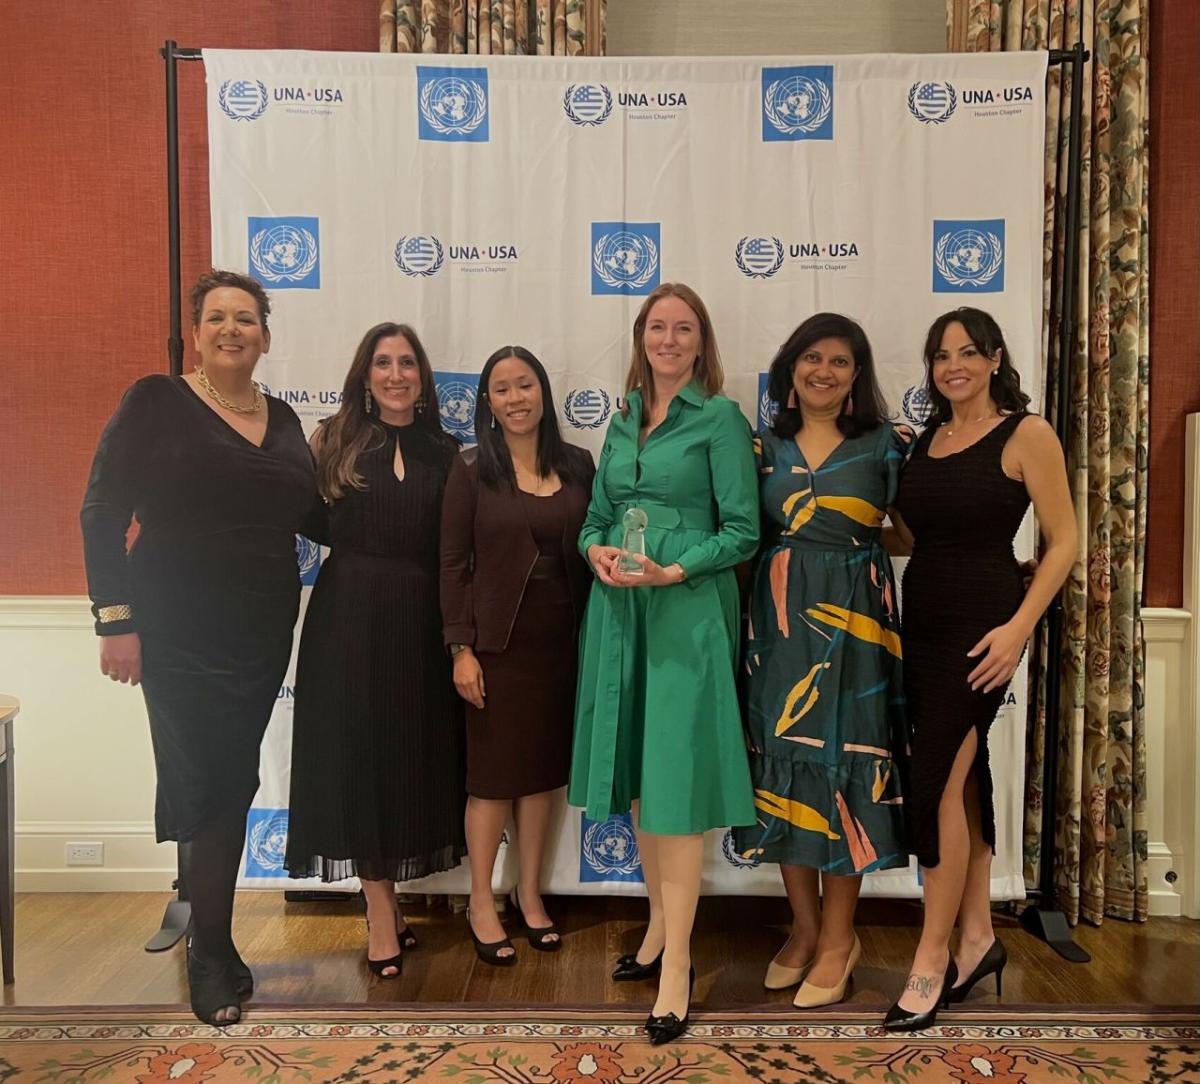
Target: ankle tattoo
[(921, 985)]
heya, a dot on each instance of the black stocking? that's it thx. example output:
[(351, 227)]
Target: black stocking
[(209, 865)]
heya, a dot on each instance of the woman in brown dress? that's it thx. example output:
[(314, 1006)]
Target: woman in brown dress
[(513, 592)]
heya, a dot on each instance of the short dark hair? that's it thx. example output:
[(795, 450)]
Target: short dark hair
[(985, 333), (215, 278), (869, 409), (554, 455)]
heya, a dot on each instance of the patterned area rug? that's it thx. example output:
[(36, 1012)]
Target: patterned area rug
[(573, 1046)]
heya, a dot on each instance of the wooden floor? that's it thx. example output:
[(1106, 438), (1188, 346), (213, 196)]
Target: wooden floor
[(86, 949)]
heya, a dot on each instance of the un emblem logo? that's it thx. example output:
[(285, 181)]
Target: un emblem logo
[(420, 254), (456, 405), (266, 842), (453, 104), (917, 406), (243, 99), (624, 257), (283, 253), (587, 408), (932, 103), (587, 104), (798, 102), (610, 848), (308, 558), (968, 256), (739, 861), (759, 257)]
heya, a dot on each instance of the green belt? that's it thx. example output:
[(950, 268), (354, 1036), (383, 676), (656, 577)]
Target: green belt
[(665, 517)]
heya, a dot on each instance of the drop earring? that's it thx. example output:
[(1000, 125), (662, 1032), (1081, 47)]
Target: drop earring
[(791, 399)]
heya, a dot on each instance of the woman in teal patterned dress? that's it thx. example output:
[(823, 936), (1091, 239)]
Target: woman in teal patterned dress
[(825, 698)]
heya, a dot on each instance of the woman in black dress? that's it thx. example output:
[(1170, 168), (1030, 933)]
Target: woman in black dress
[(377, 788), (966, 619), (201, 608), (513, 592)]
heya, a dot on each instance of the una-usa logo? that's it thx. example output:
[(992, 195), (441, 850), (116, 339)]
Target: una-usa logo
[(243, 99), (749, 860), (758, 257), (590, 104), (456, 394), (916, 405), (608, 850), (625, 257), (587, 104), (452, 104), (422, 255), (968, 256), (587, 408), (285, 253), (419, 254), (767, 407), (797, 103), (762, 257), (266, 842), (932, 102), (308, 558)]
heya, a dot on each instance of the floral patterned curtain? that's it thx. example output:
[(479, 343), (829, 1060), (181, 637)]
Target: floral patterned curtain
[(1100, 834), (520, 27)]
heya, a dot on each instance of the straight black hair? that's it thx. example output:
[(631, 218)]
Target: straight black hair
[(868, 408), (554, 455)]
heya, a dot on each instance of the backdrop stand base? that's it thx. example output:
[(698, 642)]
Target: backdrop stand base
[(1051, 927), (175, 921), (319, 895)]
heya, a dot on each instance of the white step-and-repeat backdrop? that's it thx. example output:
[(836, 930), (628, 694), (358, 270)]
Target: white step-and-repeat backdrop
[(529, 200)]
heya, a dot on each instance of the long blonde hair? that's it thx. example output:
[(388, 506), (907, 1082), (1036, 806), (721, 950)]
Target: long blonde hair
[(708, 371)]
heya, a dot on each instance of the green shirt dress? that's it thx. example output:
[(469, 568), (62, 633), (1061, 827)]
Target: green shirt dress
[(656, 716)]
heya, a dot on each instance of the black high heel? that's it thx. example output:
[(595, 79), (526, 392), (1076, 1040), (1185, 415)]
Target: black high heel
[(663, 1029), (539, 936), (243, 976), (993, 962), (489, 951), (899, 1019), (378, 967), (211, 988), (629, 970)]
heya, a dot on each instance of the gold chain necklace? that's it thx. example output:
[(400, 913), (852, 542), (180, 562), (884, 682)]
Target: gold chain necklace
[(255, 406)]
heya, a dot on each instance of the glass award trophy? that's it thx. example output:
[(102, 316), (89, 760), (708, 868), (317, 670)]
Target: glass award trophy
[(634, 521)]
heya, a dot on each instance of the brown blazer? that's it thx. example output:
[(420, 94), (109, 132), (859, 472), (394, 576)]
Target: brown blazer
[(488, 552)]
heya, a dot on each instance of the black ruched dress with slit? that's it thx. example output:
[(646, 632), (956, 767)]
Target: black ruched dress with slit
[(378, 762), (961, 582)]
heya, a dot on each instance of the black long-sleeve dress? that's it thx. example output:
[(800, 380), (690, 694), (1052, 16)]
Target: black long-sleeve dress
[(961, 582), (377, 787), (211, 579)]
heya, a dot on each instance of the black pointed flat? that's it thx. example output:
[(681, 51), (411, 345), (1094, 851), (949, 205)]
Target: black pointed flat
[(664, 1029), (629, 970)]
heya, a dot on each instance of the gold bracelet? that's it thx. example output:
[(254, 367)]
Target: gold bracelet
[(107, 614)]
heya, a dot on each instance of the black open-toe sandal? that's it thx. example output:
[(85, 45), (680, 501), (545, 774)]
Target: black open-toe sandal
[(489, 951), (212, 987), (542, 938), (378, 967), (243, 976)]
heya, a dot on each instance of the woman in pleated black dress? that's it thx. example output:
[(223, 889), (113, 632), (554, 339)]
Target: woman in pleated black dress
[(966, 619), (377, 741), (201, 608)]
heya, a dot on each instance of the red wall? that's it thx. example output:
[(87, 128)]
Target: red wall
[(83, 302)]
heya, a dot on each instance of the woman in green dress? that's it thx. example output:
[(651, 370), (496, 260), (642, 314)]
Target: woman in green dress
[(825, 702), (657, 724)]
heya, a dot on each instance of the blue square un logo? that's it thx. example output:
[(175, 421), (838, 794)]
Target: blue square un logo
[(308, 558), (968, 256), (452, 104), (608, 850), (285, 253), (797, 103), (625, 257), (456, 394), (266, 842), (767, 407)]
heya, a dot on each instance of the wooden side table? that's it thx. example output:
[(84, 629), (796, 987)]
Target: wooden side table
[(9, 706)]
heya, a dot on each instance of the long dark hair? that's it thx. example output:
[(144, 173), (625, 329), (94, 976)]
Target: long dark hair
[(869, 408), (554, 455), (353, 430), (985, 333)]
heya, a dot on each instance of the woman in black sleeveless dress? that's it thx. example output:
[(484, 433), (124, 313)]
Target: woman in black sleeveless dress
[(966, 619), (377, 739), (201, 607)]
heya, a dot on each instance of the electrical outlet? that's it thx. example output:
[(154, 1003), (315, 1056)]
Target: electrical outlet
[(85, 854)]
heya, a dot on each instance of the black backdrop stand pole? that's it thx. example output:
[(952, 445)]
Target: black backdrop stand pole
[(178, 914), (1044, 920)]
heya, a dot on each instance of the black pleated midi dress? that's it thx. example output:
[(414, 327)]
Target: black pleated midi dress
[(960, 583), (377, 786)]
